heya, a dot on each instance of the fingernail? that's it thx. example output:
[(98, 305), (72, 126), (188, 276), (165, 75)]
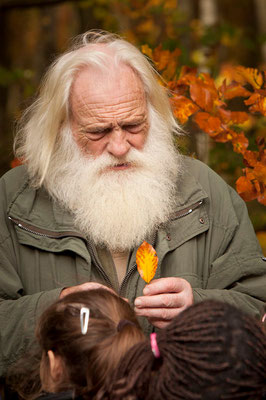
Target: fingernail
[(137, 303)]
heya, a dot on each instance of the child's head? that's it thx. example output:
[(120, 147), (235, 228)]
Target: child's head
[(72, 360), (210, 351)]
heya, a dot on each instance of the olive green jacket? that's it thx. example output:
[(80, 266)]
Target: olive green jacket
[(209, 241)]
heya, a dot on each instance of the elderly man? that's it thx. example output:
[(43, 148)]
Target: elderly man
[(101, 174)]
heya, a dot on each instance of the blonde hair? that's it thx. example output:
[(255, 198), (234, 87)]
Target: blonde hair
[(40, 126)]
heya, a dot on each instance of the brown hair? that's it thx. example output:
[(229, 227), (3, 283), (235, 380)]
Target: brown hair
[(87, 358), (210, 351)]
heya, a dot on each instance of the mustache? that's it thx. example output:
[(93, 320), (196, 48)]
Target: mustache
[(105, 162)]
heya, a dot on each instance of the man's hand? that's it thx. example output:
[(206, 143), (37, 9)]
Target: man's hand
[(82, 287), (163, 299)]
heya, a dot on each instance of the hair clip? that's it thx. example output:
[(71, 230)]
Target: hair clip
[(154, 346), (84, 319)]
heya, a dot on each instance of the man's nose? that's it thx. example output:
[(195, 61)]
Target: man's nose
[(118, 145)]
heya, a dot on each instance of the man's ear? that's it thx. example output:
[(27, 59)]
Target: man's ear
[(56, 367)]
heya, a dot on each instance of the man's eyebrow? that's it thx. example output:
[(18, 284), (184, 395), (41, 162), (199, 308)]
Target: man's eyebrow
[(133, 121), (96, 128)]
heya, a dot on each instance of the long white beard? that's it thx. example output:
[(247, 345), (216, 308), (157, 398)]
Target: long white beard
[(117, 209)]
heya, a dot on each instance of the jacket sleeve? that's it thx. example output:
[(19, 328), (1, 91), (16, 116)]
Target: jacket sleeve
[(18, 313), (238, 274)]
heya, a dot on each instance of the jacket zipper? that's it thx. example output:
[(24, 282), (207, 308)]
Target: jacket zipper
[(94, 258), (186, 211), (45, 233)]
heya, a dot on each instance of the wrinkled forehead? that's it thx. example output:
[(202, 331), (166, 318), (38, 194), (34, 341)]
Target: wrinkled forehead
[(118, 80)]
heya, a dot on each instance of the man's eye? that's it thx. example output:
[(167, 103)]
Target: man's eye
[(132, 128)]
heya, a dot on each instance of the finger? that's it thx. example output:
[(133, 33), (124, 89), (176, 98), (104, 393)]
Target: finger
[(164, 285), (166, 300), (157, 323), (162, 314)]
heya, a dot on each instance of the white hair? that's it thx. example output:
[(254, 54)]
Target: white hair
[(40, 127)]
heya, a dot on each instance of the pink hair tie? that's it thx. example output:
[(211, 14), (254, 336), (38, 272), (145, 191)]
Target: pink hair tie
[(264, 317), (154, 346)]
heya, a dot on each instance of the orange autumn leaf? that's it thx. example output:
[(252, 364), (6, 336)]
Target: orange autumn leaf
[(176, 88), (222, 137), (203, 94), (260, 172), (259, 106), (251, 75), (166, 61), (229, 74), (183, 108), (252, 99), (146, 50), (236, 117), (161, 57), (250, 158), (170, 70), (233, 90), (187, 76), (240, 142), (239, 117), (147, 261), (246, 189), (208, 123)]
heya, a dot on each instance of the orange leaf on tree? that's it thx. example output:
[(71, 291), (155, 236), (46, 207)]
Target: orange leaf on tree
[(208, 123), (183, 108), (234, 90), (239, 117), (203, 94), (175, 88), (187, 76), (147, 261), (161, 57), (246, 189), (224, 114), (170, 70), (236, 117), (260, 172), (240, 142), (259, 106), (252, 99), (222, 137), (250, 158), (146, 50), (251, 75)]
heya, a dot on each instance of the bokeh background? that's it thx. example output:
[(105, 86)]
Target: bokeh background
[(210, 35)]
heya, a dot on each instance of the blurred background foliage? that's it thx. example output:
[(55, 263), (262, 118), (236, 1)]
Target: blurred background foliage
[(210, 35)]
